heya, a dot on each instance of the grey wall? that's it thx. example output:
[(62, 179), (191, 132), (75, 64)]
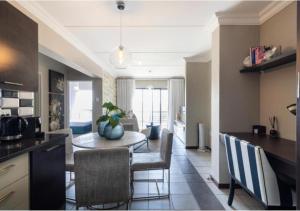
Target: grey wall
[(239, 93), (235, 97), (198, 102), (42, 98)]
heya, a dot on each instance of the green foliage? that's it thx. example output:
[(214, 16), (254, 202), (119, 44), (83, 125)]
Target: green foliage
[(113, 114)]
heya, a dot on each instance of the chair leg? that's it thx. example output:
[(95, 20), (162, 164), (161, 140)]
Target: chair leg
[(169, 183), (231, 193), (148, 143)]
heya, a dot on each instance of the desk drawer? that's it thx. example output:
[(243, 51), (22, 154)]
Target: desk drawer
[(15, 196), (13, 169)]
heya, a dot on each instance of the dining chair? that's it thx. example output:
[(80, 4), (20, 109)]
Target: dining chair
[(249, 167), (102, 177), (154, 161)]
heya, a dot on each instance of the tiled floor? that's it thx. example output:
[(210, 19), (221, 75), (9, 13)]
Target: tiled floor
[(191, 188)]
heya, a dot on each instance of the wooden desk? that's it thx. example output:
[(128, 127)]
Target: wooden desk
[(281, 153)]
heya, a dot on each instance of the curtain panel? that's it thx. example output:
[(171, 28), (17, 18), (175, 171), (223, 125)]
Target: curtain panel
[(125, 93), (176, 99)]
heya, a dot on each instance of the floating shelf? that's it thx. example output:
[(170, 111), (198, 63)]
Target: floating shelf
[(283, 59)]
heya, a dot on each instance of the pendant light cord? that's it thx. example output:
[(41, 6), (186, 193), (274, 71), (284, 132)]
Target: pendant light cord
[(120, 27)]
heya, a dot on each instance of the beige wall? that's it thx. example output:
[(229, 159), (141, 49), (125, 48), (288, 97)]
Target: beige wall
[(198, 102), (109, 88), (278, 88)]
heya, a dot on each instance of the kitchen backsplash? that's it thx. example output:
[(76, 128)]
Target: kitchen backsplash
[(16, 103)]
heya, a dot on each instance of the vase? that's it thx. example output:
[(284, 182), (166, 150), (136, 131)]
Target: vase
[(114, 133), (101, 128)]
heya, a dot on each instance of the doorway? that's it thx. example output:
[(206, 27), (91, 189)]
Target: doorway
[(80, 106)]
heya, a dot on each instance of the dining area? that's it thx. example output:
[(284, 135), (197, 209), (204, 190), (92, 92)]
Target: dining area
[(102, 169)]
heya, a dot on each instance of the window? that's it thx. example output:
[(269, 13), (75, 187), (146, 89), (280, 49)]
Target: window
[(151, 105)]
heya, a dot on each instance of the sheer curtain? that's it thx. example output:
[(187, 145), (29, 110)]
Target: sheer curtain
[(125, 93), (176, 99)]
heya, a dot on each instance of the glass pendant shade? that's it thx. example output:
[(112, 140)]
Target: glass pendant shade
[(120, 58)]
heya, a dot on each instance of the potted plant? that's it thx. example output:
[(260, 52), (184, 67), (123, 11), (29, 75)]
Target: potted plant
[(109, 124)]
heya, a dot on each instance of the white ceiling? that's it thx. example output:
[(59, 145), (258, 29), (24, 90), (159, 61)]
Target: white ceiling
[(159, 34)]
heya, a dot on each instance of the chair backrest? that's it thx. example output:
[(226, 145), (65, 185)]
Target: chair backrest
[(166, 147), (69, 138), (102, 176), (249, 165)]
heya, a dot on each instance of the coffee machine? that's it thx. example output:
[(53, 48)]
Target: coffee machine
[(33, 129)]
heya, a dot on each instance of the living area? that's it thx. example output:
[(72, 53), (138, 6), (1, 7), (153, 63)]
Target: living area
[(149, 105)]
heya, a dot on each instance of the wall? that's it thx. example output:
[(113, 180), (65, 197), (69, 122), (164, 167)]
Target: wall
[(109, 88), (198, 102), (238, 94), (42, 98), (278, 88)]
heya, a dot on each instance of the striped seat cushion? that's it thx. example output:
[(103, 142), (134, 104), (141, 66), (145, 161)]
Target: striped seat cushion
[(249, 165)]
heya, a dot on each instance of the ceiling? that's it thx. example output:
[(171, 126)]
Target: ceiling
[(159, 34)]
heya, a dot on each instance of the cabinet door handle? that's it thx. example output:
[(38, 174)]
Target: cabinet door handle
[(6, 169), (13, 83), (6, 196), (52, 148)]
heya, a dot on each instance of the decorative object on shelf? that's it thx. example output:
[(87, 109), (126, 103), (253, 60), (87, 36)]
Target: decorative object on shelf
[(259, 130), (56, 100), (120, 57), (274, 122), (272, 52), (247, 62), (109, 124), (261, 54), (277, 61), (292, 108)]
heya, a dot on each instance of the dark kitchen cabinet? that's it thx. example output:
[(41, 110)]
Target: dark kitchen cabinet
[(298, 107), (18, 50), (47, 177)]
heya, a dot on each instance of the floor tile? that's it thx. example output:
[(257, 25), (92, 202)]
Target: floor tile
[(184, 202), (160, 204)]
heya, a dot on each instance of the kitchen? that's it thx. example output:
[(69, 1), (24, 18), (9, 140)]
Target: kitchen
[(32, 164)]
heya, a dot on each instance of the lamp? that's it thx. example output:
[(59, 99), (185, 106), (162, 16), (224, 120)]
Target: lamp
[(120, 57), (292, 108)]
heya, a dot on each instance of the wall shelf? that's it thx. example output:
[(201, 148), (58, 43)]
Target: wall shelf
[(283, 59)]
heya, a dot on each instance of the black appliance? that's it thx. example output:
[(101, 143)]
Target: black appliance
[(12, 127), (33, 129), (259, 130)]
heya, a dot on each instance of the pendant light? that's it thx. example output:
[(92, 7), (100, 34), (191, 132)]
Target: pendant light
[(120, 57)]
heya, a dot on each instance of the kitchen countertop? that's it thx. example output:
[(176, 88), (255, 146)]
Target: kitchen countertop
[(11, 149)]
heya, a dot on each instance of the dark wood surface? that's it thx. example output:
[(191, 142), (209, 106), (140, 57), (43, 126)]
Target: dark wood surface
[(18, 49), (279, 148), (273, 63), (47, 177), (298, 105)]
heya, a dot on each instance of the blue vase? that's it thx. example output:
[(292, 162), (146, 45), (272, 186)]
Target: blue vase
[(114, 133), (101, 128)]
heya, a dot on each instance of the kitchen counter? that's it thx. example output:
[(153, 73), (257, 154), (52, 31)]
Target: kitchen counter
[(11, 149)]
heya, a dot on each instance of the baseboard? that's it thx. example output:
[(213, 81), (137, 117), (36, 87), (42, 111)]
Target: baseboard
[(222, 185), (191, 147)]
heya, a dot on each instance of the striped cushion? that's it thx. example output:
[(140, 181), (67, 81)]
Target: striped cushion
[(249, 165)]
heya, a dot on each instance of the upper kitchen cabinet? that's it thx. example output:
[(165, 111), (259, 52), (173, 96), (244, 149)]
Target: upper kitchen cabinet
[(18, 50)]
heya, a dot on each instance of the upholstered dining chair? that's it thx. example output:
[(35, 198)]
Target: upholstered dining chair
[(102, 177), (249, 167), (154, 161)]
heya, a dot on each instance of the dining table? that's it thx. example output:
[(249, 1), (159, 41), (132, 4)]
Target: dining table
[(94, 141)]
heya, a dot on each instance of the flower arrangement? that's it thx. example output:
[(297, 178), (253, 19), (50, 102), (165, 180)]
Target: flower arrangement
[(112, 115)]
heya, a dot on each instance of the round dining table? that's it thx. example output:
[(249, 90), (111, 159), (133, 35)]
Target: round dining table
[(94, 141)]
